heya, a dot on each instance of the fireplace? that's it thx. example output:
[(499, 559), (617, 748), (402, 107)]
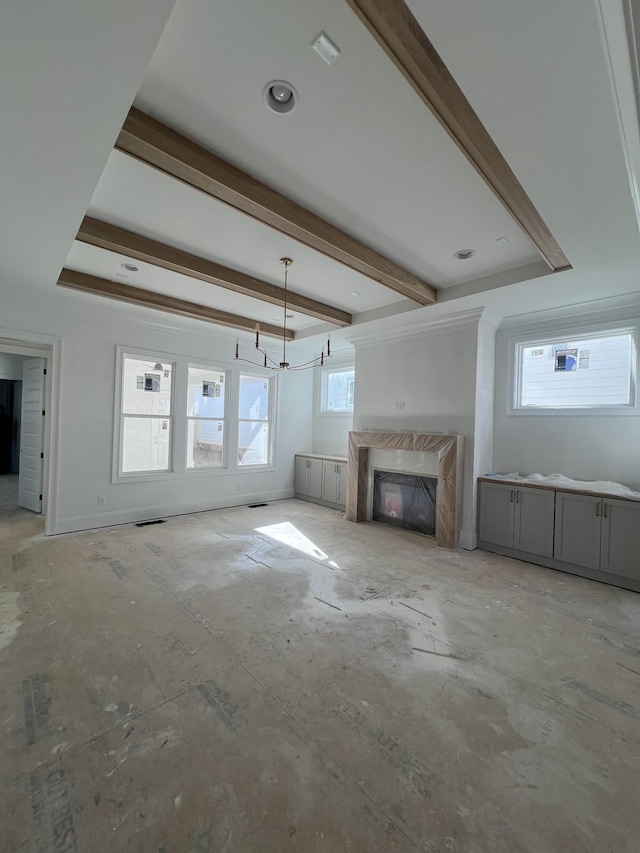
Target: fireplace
[(449, 455), (407, 501)]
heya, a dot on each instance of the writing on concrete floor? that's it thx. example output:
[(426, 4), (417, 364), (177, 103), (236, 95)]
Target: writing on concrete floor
[(118, 569), (36, 707), (52, 818), (178, 647), (219, 702), (411, 767)]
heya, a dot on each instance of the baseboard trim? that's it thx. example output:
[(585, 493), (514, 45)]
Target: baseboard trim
[(112, 518)]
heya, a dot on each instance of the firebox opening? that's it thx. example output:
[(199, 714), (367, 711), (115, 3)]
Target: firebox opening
[(407, 501)]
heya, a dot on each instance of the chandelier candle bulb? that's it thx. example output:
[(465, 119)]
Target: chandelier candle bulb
[(257, 335)]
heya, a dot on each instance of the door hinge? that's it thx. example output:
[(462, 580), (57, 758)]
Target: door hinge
[(44, 371), (42, 456), (40, 497), (43, 413)]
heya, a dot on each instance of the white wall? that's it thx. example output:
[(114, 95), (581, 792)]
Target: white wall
[(584, 446), (331, 429), (428, 382), (90, 329)]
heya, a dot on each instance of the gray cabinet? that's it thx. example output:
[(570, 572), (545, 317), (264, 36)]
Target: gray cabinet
[(598, 533), (308, 477), (334, 482), (321, 480), (595, 536), (577, 536), (517, 517)]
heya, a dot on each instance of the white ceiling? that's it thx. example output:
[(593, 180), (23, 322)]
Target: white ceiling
[(360, 149)]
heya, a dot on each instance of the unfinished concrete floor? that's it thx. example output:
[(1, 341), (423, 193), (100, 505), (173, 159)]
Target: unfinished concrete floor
[(279, 679)]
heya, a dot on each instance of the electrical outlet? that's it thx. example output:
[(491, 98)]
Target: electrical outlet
[(102, 501), (399, 407)]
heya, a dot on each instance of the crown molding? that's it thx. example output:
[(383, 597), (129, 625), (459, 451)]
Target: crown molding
[(418, 329)]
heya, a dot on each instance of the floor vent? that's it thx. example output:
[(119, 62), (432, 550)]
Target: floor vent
[(256, 506), (145, 523)]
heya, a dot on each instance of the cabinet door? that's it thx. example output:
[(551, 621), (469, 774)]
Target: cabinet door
[(342, 484), (533, 521), (301, 486), (315, 478), (620, 545), (496, 514), (330, 482), (577, 536)]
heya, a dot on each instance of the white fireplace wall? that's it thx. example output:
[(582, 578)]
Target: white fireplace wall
[(409, 461), (434, 379)]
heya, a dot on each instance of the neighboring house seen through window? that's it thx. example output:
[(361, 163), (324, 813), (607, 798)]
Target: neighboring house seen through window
[(593, 371)]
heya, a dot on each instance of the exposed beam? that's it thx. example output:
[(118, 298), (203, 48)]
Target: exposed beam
[(164, 148), (115, 239), (397, 31), (148, 299)]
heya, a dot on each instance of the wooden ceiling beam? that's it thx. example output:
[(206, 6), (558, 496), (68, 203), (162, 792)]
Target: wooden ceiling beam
[(396, 30), (148, 299), (160, 146), (115, 239)]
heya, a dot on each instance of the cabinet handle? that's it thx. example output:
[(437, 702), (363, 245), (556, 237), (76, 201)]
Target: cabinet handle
[(337, 469), (598, 509), (517, 496), (604, 510), (511, 497), (308, 463)]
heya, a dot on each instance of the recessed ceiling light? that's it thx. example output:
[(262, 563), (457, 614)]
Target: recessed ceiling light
[(129, 267), (464, 254), (327, 49), (355, 293), (280, 96)]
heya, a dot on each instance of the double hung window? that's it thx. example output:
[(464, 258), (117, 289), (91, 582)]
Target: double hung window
[(206, 410), (146, 415), (254, 420)]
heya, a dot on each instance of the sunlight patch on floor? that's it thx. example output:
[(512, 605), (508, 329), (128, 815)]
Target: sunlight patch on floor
[(288, 534)]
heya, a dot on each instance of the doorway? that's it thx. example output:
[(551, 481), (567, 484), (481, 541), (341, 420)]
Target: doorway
[(28, 422)]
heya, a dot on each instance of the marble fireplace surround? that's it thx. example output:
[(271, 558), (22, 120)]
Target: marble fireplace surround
[(446, 446)]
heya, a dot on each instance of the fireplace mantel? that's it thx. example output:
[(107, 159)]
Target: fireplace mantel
[(446, 446)]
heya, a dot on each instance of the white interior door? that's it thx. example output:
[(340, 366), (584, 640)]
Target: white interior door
[(31, 434)]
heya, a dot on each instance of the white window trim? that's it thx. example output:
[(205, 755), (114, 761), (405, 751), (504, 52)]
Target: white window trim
[(332, 413), (518, 342), (117, 474), (178, 448)]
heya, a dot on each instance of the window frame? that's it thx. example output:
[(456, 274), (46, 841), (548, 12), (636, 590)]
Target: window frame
[(225, 418), (519, 342), (324, 382), (270, 380), (118, 474)]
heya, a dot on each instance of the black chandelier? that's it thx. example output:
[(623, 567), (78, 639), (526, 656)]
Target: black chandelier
[(270, 363)]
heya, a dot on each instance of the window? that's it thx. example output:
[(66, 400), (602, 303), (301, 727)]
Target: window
[(338, 390), (254, 421), (205, 417), (145, 415), (576, 373)]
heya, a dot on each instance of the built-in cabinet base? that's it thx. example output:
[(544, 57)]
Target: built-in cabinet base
[(321, 480), (594, 536)]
